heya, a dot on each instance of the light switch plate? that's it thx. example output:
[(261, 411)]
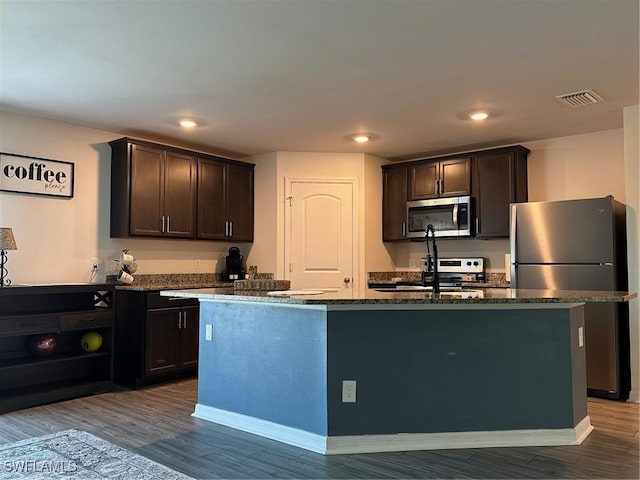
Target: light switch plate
[(208, 332), (581, 336)]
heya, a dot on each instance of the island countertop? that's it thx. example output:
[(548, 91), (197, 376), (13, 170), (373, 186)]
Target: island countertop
[(376, 297)]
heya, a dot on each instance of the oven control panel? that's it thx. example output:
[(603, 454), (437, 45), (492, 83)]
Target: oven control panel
[(461, 265)]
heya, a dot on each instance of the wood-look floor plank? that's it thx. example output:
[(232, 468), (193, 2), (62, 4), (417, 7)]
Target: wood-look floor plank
[(156, 422)]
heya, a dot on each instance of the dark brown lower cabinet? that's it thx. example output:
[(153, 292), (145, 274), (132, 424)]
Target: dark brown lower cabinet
[(156, 338), (163, 352)]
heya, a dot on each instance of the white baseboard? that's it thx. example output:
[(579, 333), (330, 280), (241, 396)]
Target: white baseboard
[(456, 440), (275, 431), (396, 442)]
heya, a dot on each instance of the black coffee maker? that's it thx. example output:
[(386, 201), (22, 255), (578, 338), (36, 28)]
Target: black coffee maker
[(236, 269)]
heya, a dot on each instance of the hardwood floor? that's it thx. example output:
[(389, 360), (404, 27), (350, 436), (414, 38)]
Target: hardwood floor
[(156, 422)]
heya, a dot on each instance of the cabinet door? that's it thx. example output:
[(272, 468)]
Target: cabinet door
[(147, 185), (211, 200), (424, 180), (162, 341), (499, 178), (394, 203), (240, 202), (455, 177), (493, 191), (179, 195), (189, 337)]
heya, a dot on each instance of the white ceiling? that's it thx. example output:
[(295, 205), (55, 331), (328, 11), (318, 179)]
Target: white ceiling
[(300, 75)]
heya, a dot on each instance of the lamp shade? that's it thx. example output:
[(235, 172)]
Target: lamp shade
[(7, 240)]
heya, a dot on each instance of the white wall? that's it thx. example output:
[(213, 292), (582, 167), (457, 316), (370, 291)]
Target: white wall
[(58, 238), (579, 166), (377, 257), (262, 252), (632, 193)]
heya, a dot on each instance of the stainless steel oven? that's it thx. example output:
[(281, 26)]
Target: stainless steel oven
[(451, 217)]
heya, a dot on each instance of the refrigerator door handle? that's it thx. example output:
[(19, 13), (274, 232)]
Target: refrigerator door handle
[(512, 231), (512, 241)]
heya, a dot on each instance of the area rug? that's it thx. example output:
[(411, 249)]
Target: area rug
[(75, 454)]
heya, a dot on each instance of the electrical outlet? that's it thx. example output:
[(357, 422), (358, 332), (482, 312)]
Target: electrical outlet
[(208, 332), (348, 391), (196, 265), (95, 264)]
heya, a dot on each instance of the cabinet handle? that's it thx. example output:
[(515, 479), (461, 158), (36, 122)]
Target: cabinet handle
[(404, 229), (179, 320), (477, 224), (231, 229), (168, 228), (437, 187), (162, 223), (226, 229), (184, 319)]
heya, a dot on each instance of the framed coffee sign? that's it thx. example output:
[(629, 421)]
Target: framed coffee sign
[(38, 176)]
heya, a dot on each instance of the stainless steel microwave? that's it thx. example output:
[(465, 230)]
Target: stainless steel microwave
[(451, 217)]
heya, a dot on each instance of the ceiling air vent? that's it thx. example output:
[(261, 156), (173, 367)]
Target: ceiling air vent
[(580, 99)]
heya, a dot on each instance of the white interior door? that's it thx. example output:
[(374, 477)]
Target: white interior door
[(321, 234)]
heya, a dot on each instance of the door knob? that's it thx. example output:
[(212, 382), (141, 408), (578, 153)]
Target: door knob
[(347, 280)]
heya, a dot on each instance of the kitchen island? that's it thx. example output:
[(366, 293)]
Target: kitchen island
[(389, 371)]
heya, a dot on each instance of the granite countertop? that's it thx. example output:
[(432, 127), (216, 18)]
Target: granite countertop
[(379, 279), (170, 281), (170, 286), (478, 296)]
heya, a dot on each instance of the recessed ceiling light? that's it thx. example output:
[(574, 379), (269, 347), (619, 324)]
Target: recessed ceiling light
[(186, 123), (478, 116), (362, 138)]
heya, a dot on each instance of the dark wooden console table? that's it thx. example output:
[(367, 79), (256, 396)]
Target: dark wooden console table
[(67, 311)]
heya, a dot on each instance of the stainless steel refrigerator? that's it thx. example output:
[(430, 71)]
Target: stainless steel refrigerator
[(580, 245)]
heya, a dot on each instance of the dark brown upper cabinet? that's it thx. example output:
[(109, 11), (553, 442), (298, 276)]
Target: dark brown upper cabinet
[(499, 178), (153, 191), (440, 178), (225, 200), (161, 191), (394, 202)]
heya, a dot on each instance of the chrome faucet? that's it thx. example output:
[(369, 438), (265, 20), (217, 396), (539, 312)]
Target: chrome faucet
[(431, 277)]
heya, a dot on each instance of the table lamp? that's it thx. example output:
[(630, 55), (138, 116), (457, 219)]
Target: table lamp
[(7, 242)]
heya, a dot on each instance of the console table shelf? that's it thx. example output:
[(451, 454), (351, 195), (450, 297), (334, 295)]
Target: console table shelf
[(65, 312)]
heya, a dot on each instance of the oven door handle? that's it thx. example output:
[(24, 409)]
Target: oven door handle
[(455, 216)]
